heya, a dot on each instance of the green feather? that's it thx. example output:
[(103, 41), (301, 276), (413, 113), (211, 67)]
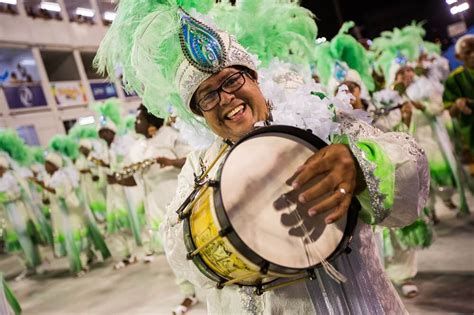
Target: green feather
[(65, 146), (14, 146), (143, 41), (36, 154), (83, 132), (417, 234), (110, 109), (130, 122), (344, 47), (408, 41), (289, 36)]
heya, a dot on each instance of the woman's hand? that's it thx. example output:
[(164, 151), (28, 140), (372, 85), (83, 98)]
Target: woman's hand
[(337, 170)]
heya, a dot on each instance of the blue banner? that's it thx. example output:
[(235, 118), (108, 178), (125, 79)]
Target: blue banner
[(103, 90), (24, 96)]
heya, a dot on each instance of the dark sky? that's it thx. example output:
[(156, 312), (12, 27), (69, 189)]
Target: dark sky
[(375, 16)]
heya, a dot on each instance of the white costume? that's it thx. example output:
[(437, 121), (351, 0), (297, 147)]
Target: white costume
[(367, 290), (159, 184), (123, 221), (92, 191), (68, 217)]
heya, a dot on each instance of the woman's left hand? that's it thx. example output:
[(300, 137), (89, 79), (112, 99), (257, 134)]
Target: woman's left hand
[(338, 171)]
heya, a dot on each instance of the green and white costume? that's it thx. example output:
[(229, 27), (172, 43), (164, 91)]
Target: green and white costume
[(18, 229), (159, 184), (75, 231), (163, 70), (92, 191), (122, 219), (8, 303)]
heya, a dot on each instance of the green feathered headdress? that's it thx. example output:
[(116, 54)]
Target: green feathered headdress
[(152, 41), (64, 145), (432, 48), (12, 144), (109, 110), (83, 132), (403, 44), (343, 48), (36, 154)]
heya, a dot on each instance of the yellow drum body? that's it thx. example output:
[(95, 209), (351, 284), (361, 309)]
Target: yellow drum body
[(216, 251)]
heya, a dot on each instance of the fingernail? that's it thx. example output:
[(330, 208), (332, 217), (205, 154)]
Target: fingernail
[(312, 213), (301, 199), (329, 221), (295, 185)]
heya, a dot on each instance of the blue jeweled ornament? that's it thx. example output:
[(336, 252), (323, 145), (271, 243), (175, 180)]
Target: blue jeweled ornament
[(102, 120), (401, 59), (202, 46), (340, 71)]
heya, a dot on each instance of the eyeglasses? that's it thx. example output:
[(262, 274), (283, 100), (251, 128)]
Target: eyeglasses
[(231, 85)]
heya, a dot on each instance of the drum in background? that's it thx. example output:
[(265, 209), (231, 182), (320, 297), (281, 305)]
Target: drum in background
[(246, 227)]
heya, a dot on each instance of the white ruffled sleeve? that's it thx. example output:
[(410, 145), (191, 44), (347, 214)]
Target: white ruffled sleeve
[(395, 170), (172, 233)]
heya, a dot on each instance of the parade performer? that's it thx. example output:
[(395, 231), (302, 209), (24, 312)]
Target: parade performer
[(344, 59), (18, 230), (422, 97), (156, 163), (75, 232), (92, 187), (459, 98), (211, 75), (123, 221)]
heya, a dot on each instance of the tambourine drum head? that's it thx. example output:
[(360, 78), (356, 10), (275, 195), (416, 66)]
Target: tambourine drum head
[(254, 180)]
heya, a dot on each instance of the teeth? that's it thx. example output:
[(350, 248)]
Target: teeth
[(234, 111)]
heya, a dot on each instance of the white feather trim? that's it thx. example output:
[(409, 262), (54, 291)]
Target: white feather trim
[(386, 98)]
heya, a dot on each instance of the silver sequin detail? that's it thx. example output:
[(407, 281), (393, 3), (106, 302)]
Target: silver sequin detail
[(355, 130), (251, 303)]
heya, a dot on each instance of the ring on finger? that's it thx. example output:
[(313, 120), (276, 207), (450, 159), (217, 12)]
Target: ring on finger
[(342, 191)]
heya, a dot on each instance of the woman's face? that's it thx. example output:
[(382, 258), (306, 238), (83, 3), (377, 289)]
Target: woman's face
[(406, 76), (141, 124), (236, 113), (107, 135), (50, 168)]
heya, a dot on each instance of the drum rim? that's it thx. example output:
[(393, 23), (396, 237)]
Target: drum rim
[(237, 241)]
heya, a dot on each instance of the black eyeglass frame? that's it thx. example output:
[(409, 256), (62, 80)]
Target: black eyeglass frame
[(221, 89)]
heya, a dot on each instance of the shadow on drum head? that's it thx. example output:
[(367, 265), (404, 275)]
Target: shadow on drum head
[(296, 215)]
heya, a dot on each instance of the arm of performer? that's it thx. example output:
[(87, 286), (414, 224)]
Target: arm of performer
[(387, 172), (454, 100), (43, 185), (127, 181), (178, 163)]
